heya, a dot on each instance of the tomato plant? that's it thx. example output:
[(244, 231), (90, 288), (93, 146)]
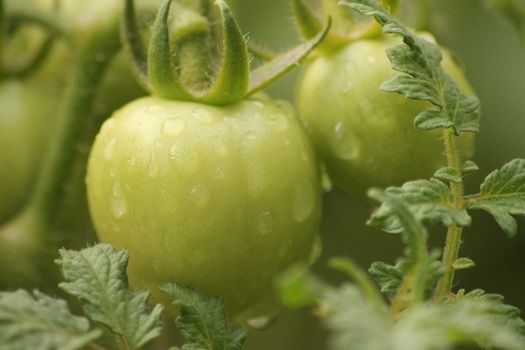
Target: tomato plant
[(366, 136), (224, 189), (206, 193)]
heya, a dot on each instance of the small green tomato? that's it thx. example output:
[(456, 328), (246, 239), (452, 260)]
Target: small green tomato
[(365, 136), (221, 199)]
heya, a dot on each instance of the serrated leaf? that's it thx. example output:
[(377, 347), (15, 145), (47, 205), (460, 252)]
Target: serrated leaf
[(97, 276), (355, 323), (469, 167), (475, 318), (425, 79), (502, 194), (430, 201), (447, 174), (390, 277), (467, 321), (37, 321), (203, 320), (463, 264)]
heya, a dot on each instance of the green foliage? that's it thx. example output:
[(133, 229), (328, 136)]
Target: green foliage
[(203, 321), (37, 321), (502, 194), (430, 201), (97, 276), (424, 78)]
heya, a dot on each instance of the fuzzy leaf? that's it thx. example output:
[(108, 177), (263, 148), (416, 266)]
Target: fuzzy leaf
[(463, 264), (356, 323), (469, 167), (390, 277), (97, 276), (430, 201), (503, 195), (38, 321), (203, 321), (447, 174), (476, 318), (425, 79)]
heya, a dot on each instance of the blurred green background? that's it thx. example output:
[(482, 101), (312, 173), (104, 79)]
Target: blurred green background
[(493, 56)]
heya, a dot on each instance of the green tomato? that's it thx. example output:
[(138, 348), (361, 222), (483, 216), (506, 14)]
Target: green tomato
[(25, 116), (218, 198), (366, 137)]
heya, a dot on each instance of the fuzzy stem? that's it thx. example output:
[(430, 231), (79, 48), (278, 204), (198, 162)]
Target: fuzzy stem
[(2, 35), (85, 78), (453, 242)]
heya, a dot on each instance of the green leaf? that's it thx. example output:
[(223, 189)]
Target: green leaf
[(203, 321), (469, 167), (448, 174), (424, 77), (38, 321), (390, 277), (430, 201), (298, 287), (503, 195), (267, 72), (355, 323), (97, 276), (476, 318), (463, 264)]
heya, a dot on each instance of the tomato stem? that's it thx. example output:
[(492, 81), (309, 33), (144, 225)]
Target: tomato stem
[(85, 78), (453, 241)]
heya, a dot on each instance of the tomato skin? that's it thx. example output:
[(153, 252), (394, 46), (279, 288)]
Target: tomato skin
[(219, 198), (27, 109), (366, 136)]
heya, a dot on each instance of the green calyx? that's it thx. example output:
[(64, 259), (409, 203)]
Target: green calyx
[(348, 26), (182, 61)]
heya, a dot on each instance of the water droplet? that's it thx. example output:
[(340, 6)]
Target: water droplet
[(365, 105), (304, 157), (110, 149), (153, 165), (304, 202), (202, 116), (265, 223), (172, 127), (220, 146), (317, 249), (182, 155), (326, 182), (260, 323), (287, 141), (153, 109), (340, 130), (117, 202), (278, 121), (200, 196), (218, 171)]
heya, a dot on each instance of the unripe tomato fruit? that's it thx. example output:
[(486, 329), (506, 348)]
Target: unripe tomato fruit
[(365, 136), (221, 199)]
